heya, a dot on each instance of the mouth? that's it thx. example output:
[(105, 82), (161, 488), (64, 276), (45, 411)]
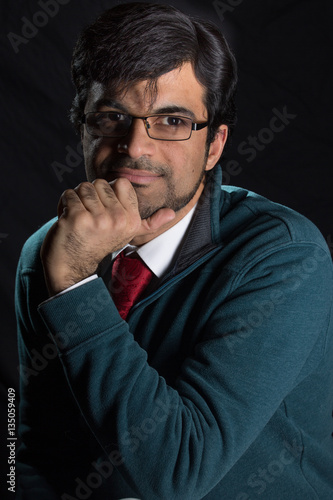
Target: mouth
[(138, 177)]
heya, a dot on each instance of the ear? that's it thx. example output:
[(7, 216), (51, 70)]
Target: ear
[(216, 147)]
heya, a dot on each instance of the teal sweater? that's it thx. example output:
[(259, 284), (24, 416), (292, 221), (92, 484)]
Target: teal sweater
[(218, 386)]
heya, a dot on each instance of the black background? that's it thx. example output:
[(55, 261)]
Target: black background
[(283, 49)]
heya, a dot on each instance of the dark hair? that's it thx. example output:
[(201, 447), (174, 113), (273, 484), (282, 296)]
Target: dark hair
[(142, 41)]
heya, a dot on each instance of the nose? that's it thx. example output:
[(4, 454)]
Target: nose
[(136, 143)]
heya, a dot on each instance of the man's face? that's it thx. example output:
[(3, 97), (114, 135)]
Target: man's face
[(163, 173)]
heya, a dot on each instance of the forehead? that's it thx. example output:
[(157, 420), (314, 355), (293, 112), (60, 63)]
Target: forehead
[(178, 88)]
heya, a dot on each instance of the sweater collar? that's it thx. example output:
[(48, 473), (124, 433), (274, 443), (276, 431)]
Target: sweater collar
[(204, 231)]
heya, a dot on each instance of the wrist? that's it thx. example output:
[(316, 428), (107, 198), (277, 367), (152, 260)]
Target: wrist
[(59, 280)]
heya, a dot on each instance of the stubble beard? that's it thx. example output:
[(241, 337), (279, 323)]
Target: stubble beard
[(171, 199)]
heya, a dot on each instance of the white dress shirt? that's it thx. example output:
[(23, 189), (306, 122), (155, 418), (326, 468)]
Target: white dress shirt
[(159, 253)]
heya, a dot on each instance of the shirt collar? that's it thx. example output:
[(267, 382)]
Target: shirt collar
[(159, 253)]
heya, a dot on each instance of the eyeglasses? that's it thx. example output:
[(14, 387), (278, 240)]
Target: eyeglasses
[(160, 127)]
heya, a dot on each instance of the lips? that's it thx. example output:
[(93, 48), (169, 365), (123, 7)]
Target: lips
[(135, 176)]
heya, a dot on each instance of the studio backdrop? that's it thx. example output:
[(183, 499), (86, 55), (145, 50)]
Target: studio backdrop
[(281, 148)]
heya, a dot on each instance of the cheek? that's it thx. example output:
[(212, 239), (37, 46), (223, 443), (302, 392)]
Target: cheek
[(91, 157), (173, 157), (178, 156), (188, 158), (96, 150)]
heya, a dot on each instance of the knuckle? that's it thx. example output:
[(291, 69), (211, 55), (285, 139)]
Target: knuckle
[(68, 194), (101, 182), (103, 187), (103, 222), (86, 189)]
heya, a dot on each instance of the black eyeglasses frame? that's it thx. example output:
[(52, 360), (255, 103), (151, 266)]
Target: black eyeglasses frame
[(195, 125)]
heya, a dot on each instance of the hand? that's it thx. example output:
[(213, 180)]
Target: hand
[(94, 220)]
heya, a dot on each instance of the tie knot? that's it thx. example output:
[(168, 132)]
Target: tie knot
[(130, 276)]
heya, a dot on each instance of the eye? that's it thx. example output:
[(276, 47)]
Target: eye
[(116, 117), (171, 121), (105, 118), (109, 121)]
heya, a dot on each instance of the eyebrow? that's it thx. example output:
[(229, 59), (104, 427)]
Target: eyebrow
[(110, 104), (174, 109), (164, 110)]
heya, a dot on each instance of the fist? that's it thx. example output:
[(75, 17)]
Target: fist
[(94, 220)]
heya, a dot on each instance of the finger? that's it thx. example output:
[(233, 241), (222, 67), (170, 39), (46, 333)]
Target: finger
[(126, 194), (68, 201), (105, 192), (89, 198), (158, 219)]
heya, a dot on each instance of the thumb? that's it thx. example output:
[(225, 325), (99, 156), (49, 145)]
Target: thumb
[(160, 218)]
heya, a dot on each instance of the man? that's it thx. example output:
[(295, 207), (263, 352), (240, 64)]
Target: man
[(217, 382)]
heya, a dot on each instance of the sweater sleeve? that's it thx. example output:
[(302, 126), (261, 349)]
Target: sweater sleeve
[(263, 329), (52, 438)]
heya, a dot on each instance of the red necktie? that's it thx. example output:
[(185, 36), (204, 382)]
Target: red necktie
[(130, 276)]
